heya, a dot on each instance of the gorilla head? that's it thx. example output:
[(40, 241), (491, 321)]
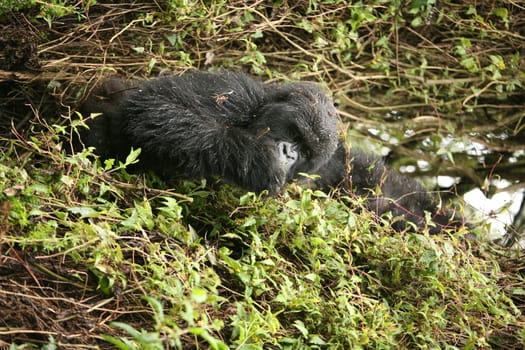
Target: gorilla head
[(301, 121), (224, 124)]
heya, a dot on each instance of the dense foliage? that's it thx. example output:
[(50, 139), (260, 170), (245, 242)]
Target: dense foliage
[(93, 257)]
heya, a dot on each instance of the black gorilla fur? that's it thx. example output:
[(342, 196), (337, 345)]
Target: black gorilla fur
[(201, 124), (257, 136)]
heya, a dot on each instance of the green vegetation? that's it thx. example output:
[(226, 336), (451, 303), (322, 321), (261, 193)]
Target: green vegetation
[(94, 257), (225, 269), (14, 5)]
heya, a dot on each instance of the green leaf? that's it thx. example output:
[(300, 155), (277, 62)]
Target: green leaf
[(518, 291), (301, 327), (84, 212), (127, 328), (199, 295), (157, 307), (121, 344), (132, 157), (316, 340), (501, 12)]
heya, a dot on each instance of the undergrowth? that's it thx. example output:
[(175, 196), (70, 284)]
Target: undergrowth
[(140, 266)]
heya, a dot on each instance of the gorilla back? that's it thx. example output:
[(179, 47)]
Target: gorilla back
[(257, 136)]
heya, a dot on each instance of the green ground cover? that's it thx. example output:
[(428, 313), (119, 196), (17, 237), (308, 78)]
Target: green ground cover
[(94, 257)]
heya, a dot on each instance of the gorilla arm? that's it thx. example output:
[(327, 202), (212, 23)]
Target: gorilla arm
[(185, 132), (189, 146), (184, 128)]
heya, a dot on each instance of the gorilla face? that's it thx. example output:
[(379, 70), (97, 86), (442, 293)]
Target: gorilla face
[(299, 120), (224, 124)]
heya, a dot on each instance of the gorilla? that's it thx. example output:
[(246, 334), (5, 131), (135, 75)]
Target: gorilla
[(200, 125), (254, 135)]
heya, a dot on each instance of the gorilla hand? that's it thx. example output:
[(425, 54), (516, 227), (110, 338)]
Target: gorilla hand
[(288, 155)]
